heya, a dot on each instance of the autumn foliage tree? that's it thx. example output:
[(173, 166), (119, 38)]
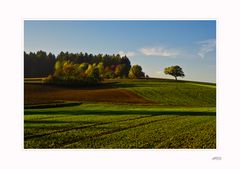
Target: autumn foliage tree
[(136, 72), (69, 73), (79, 67)]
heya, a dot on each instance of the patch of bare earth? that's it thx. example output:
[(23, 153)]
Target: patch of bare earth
[(44, 94)]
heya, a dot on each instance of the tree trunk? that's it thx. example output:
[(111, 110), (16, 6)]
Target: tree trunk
[(175, 77)]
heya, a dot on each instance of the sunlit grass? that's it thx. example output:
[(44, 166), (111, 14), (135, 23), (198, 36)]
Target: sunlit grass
[(175, 115)]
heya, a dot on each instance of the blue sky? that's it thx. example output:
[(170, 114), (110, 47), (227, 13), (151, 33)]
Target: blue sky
[(152, 44)]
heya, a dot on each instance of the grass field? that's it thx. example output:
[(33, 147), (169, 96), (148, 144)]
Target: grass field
[(121, 114)]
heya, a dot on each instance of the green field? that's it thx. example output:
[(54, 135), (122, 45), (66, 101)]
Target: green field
[(142, 113)]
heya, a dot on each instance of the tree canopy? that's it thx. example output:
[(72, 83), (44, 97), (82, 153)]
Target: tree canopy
[(105, 59), (136, 72), (175, 71), (39, 64), (79, 67)]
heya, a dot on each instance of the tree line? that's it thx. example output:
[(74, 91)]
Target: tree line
[(79, 66), (39, 64)]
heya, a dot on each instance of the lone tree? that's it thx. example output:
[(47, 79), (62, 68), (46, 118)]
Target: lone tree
[(174, 71)]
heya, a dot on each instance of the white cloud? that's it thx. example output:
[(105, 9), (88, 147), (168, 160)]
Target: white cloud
[(159, 51), (206, 47), (128, 54)]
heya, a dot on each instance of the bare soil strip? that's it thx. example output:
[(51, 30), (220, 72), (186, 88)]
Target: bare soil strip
[(35, 94)]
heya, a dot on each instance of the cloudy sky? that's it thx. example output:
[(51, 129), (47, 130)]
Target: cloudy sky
[(152, 44)]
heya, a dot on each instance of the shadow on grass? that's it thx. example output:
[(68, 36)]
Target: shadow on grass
[(124, 112), (114, 84), (146, 83), (52, 105), (124, 83), (56, 122)]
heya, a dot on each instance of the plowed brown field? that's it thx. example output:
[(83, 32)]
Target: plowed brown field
[(37, 93)]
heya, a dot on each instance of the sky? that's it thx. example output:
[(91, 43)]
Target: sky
[(153, 44)]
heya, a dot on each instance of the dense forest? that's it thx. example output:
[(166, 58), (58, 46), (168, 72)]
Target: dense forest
[(39, 64), (79, 66)]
